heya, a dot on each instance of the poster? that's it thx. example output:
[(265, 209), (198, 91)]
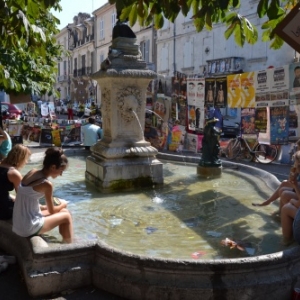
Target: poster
[(192, 117), (248, 121), (177, 138), (210, 85), (261, 119), (195, 91), (159, 106), (234, 91), (56, 137), (221, 92), (31, 133), (262, 82), (46, 137), (247, 90), (279, 125), (71, 135), (192, 142), (279, 86), (294, 80)]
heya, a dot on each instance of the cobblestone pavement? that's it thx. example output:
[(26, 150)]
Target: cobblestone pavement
[(12, 285)]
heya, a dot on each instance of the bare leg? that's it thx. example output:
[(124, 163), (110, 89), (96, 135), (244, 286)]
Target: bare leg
[(285, 197), (288, 213), (63, 220)]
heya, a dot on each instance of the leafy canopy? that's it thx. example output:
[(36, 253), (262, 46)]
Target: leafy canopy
[(28, 50), (208, 12)]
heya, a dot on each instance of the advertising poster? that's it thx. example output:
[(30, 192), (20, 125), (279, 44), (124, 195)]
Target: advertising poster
[(221, 92), (196, 91), (261, 119), (175, 86), (56, 137), (70, 135), (247, 89), (279, 86), (210, 84), (46, 137), (192, 142), (294, 80), (279, 125), (192, 117), (31, 134), (234, 91), (182, 111), (159, 106), (262, 82), (177, 138), (248, 121)]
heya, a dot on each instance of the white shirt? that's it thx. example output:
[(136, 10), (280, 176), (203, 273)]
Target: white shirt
[(91, 133)]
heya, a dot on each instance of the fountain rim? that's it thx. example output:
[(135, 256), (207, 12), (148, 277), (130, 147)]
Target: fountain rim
[(268, 178)]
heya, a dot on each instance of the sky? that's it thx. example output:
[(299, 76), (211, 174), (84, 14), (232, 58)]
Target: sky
[(72, 8)]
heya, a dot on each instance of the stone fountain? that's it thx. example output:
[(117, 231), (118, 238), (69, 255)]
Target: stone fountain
[(123, 160)]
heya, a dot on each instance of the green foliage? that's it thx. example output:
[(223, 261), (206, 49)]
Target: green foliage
[(206, 13), (28, 51)]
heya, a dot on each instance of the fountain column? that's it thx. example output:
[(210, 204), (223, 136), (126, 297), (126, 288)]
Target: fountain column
[(123, 160)]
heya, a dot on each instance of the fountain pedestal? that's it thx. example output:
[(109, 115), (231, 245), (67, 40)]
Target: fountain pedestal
[(123, 160)]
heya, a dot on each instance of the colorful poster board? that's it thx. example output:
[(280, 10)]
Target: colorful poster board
[(279, 125), (248, 121), (221, 92), (234, 91), (247, 89)]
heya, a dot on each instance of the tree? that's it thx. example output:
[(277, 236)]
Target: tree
[(28, 50), (208, 12)]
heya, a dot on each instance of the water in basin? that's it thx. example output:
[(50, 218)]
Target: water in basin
[(186, 219)]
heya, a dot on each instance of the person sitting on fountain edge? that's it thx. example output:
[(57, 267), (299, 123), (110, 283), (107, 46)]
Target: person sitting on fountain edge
[(150, 134), (29, 217)]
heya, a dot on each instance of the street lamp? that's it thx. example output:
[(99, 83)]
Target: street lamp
[(69, 67)]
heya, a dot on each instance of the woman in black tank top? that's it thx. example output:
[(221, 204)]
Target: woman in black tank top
[(10, 178)]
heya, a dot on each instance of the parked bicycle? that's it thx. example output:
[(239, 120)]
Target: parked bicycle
[(239, 146)]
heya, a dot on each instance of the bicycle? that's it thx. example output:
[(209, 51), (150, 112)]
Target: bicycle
[(263, 153)]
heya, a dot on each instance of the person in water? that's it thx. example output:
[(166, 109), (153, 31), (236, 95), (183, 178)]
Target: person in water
[(10, 178), (29, 217)]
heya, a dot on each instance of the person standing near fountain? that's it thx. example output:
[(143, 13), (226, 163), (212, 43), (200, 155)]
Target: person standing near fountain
[(29, 217), (91, 133)]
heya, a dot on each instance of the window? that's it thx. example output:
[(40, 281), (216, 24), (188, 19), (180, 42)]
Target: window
[(101, 32), (145, 45), (83, 65), (187, 54), (101, 58), (58, 69), (75, 67), (164, 62), (65, 67), (113, 19)]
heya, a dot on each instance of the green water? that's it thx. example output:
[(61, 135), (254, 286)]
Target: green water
[(186, 219)]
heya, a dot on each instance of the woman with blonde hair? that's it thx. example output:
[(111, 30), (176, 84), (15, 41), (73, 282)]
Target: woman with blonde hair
[(10, 178)]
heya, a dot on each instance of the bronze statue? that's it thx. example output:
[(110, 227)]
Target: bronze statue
[(210, 144)]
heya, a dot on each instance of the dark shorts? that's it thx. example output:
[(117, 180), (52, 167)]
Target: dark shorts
[(296, 227), (6, 209)]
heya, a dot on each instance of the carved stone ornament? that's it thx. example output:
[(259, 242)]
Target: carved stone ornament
[(129, 101)]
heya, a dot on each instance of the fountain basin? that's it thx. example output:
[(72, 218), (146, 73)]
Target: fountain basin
[(49, 270)]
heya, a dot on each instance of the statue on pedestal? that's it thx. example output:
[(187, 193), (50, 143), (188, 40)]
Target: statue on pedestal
[(210, 145)]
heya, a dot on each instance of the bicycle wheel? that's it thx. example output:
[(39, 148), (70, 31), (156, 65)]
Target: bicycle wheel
[(233, 148), (265, 154)]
